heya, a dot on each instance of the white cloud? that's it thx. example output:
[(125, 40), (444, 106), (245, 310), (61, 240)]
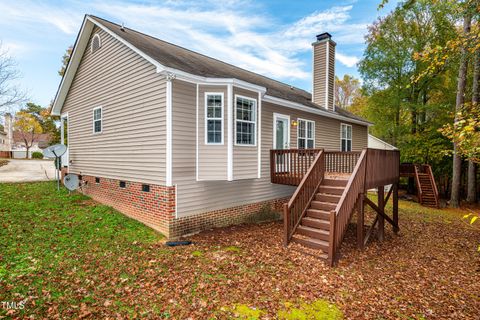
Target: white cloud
[(36, 15), (235, 31), (349, 61)]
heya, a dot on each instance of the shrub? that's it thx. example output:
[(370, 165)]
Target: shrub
[(37, 155)]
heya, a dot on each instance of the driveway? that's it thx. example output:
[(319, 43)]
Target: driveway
[(27, 170)]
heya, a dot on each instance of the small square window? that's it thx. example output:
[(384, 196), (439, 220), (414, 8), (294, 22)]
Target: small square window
[(145, 188), (97, 180), (122, 184)]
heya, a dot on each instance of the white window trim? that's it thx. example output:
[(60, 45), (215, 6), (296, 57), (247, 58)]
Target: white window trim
[(351, 138), (281, 116), (101, 120), (306, 128), (221, 143), (96, 35), (254, 122)]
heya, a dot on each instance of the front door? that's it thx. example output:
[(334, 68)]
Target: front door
[(282, 137), (281, 140)]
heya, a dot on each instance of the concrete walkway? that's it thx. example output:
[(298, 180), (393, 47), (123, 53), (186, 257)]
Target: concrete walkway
[(27, 170)]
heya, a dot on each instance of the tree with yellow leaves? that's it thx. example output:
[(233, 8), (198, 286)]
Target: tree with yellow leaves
[(29, 128)]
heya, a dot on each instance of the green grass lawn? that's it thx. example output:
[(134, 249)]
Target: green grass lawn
[(65, 256), (50, 240)]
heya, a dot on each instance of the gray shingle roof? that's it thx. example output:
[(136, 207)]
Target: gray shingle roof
[(176, 57)]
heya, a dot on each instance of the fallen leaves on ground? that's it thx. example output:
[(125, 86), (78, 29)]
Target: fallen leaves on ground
[(69, 257)]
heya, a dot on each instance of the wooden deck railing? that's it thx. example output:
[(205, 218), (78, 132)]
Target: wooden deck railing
[(382, 167), (340, 217), (290, 165), (295, 209), (341, 162), (432, 178), (370, 168), (374, 168), (419, 185)]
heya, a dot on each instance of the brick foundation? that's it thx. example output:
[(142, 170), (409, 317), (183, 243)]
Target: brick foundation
[(225, 217), (156, 208)]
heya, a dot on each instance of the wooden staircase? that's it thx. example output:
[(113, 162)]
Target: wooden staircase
[(332, 186), (427, 188), (314, 228)]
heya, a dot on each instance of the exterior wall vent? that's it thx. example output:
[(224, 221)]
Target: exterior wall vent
[(96, 43), (145, 188), (122, 184), (97, 180)]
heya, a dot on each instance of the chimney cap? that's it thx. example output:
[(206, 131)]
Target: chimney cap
[(324, 36)]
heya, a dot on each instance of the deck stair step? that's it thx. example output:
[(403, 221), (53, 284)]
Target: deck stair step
[(318, 214), (331, 190), (311, 242), (326, 206), (313, 232), (324, 197), (315, 223), (335, 182)]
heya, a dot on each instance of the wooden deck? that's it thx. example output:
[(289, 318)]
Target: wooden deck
[(331, 186)]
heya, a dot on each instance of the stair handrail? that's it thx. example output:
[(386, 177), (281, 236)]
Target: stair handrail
[(432, 179), (344, 209), (419, 186), (295, 209)]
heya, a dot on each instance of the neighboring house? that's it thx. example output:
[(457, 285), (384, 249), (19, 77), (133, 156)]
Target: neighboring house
[(181, 141), (13, 141), (3, 141), (6, 136), (376, 143), (19, 149)]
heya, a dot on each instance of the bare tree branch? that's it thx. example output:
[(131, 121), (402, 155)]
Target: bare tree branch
[(10, 94)]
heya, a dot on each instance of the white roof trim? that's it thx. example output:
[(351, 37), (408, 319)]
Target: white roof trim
[(78, 50), (301, 107), (72, 66), (185, 76), (82, 41)]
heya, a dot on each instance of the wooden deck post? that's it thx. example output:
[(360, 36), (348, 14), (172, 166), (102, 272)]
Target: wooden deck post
[(286, 230), (381, 206), (395, 207), (360, 222)]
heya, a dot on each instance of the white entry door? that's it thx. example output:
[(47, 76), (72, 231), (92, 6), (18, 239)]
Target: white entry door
[(281, 140), (281, 133)]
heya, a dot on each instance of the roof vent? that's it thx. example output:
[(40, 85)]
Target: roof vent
[(122, 27), (96, 43)]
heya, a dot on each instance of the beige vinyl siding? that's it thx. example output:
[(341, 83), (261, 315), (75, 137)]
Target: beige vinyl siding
[(194, 197), (133, 100), (183, 98), (359, 137), (212, 159), (245, 158), (319, 63), (327, 130)]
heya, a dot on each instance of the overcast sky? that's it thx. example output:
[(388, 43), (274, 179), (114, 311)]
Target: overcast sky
[(268, 37)]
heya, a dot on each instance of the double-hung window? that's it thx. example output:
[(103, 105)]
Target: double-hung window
[(97, 120), (306, 134), (246, 120), (214, 118), (346, 137)]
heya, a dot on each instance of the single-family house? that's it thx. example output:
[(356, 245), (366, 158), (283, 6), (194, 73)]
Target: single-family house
[(184, 142)]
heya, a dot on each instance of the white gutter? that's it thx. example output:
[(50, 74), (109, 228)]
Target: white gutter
[(301, 107)]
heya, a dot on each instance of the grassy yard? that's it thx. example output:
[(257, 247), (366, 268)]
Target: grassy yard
[(66, 256)]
